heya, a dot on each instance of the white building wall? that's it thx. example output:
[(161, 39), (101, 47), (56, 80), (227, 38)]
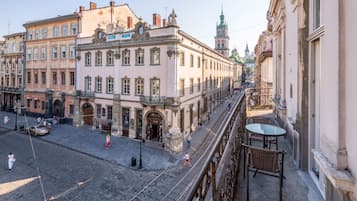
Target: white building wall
[(351, 90), (291, 61), (329, 99)]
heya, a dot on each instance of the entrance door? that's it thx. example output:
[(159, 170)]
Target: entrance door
[(87, 111), (57, 108), (125, 118), (153, 130)]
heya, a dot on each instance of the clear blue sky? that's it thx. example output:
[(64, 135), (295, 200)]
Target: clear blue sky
[(246, 18)]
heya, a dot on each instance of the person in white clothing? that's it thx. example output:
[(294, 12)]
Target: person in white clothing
[(187, 160), (11, 160)]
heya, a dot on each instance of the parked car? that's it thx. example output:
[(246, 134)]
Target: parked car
[(38, 130)]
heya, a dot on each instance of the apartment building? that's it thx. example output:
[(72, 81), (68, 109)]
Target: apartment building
[(51, 56), (151, 82), (11, 71)]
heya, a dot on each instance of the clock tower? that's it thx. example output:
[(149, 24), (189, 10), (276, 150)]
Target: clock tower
[(222, 38)]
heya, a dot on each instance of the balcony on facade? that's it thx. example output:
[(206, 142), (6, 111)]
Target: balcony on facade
[(85, 94), (159, 101), (14, 90)]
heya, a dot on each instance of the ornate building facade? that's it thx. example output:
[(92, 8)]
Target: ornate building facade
[(11, 71), (222, 38), (153, 82)]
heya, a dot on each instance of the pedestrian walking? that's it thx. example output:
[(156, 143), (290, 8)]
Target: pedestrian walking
[(11, 160), (38, 120), (6, 119), (107, 141), (187, 160), (189, 138)]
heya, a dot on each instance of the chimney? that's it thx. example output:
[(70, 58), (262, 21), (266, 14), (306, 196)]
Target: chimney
[(112, 3), (130, 22), (164, 23), (81, 8), (92, 5), (156, 20)]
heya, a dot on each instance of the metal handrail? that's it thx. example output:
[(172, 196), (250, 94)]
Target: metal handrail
[(212, 154)]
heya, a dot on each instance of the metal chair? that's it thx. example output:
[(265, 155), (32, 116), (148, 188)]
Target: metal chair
[(264, 161), (254, 137)]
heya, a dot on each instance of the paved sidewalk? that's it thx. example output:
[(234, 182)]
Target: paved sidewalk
[(91, 142)]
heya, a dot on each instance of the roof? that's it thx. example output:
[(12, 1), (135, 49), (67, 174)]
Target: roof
[(48, 20), (14, 34)]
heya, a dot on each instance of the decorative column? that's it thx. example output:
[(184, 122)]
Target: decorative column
[(77, 118), (116, 126)]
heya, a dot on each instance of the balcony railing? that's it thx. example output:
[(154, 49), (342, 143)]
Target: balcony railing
[(159, 100), (10, 89), (259, 98), (217, 178), (85, 94)]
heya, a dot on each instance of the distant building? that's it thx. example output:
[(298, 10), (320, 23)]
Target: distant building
[(264, 61), (11, 67), (237, 68), (249, 64), (222, 38), (149, 81)]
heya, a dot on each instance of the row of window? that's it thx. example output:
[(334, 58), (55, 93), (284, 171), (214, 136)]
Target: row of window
[(43, 33), (6, 82), (54, 78), (213, 64), (125, 83), (57, 52), (139, 57)]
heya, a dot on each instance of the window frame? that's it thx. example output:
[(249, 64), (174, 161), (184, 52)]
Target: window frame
[(98, 87), (155, 56), (125, 86), (98, 58), (88, 59), (139, 86), (139, 57), (110, 85), (126, 57), (110, 57)]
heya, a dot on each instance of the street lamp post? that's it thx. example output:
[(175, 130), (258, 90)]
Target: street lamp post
[(140, 160), (15, 118)]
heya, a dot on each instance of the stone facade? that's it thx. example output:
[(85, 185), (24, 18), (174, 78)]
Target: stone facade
[(151, 82), (11, 71), (50, 55)]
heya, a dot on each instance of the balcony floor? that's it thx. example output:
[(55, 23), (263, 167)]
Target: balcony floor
[(298, 185)]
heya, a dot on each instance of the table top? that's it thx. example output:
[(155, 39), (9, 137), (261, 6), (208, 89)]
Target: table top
[(265, 129)]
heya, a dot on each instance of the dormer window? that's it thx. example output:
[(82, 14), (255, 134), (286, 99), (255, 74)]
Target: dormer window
[(100, 35)]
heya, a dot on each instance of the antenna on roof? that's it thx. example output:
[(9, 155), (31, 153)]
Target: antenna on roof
[(8, 27)]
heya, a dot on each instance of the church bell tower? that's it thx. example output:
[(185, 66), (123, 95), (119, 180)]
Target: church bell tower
[(222, 38)]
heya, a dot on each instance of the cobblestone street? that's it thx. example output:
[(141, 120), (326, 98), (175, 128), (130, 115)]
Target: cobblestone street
[(75, 165)]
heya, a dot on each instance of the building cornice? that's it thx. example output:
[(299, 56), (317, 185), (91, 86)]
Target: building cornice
[(49, 20)]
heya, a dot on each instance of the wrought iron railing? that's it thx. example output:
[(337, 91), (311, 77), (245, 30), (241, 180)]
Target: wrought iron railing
[(159, 100), (10, 89), (85, 94), (259, 97), (217, 178)]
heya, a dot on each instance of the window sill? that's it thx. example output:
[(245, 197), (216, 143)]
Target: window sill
[(340, 179)]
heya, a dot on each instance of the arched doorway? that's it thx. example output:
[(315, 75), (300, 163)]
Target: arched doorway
[(87, 112), (57, 107), (154, 127)]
